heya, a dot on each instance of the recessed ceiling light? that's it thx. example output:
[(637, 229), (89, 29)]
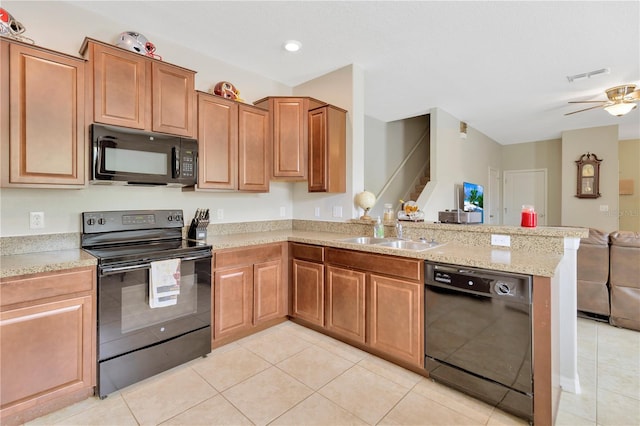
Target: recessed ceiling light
[(292, 45)]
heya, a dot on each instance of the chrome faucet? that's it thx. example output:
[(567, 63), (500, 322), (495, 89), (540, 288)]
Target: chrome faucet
[(399, 230)]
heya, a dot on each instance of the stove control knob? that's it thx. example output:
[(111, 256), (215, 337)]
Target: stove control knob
[(102, 221), (91, 221), (178, 218), (170, 218)]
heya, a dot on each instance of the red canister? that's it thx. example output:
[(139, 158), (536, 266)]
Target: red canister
[(529, 217)]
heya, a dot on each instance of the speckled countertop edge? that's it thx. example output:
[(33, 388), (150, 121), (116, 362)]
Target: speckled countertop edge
[(535, 251), (44, 261), (518, 261)]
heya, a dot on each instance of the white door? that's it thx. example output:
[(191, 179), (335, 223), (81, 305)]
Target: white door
[(494, 197), (525, 187)]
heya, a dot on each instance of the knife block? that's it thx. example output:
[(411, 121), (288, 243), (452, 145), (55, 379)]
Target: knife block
[(198, 230)]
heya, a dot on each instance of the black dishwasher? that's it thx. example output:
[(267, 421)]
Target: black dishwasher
[(478, 334)]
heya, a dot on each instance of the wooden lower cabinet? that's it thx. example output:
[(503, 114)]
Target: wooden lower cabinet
[(371, 300), (395, 311), (345, 309), (249, 290), (307, 285), (232, 301), (377, 301), (47, 350)]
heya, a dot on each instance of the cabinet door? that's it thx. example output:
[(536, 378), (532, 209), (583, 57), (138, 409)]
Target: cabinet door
[(346, 303), (46, 119), (121, 89), (327, 150), (217, 142), (173, 100), (46, 350), (308, 291), (395, 318), (269, 297), (233, 301), (289, 117), (253, 149)]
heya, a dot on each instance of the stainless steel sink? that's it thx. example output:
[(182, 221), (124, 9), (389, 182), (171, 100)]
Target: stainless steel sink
[(409, 245), (366, 240)]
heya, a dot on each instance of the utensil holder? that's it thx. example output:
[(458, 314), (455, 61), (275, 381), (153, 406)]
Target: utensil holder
[(198, 230)]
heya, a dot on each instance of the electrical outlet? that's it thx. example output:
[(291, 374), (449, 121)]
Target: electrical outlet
[(316, 212), (283, 211), (220, 214), (500, 240), (337, 211), (36, 220), (604, 208)]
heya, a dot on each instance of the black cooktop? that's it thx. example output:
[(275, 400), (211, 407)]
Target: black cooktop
[(148, 251), (138, 236)]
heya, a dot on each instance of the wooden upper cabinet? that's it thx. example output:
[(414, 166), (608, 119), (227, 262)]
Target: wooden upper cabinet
[(173, 98), (136, 91), (42, 113), (121, 90), (217, 142), (289, 121), (327, 149), (253, 149), (233, 145)]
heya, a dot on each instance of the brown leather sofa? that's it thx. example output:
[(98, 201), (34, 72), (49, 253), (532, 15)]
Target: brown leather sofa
[(624, 279), (593, 273)]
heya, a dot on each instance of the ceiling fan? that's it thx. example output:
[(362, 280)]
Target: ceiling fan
[(621, 100)]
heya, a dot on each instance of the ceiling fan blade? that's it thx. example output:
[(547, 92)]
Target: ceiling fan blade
[(586, 102), (633, 95), (586, 109)]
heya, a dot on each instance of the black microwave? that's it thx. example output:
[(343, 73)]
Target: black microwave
[(128, 156)]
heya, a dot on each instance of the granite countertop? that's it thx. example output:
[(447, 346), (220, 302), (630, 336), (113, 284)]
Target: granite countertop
[(509, 260), (44, 261), (519, 261)]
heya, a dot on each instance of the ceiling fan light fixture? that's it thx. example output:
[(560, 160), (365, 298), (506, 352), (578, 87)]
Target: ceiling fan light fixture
[(620, 109)]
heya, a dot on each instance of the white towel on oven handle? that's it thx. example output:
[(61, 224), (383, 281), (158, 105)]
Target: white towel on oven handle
[(164, 283)]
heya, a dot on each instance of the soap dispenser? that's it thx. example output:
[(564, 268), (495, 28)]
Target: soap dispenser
[(378, 229)]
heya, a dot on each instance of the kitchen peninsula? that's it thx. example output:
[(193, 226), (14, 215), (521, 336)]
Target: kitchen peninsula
[(548, 254)]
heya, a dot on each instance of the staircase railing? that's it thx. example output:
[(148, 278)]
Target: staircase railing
[(403, 163)]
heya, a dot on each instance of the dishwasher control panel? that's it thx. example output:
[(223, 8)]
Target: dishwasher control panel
[(479, 281)]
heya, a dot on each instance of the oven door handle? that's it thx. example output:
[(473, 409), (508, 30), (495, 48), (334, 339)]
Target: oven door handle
[(202, 256), (114, 270)]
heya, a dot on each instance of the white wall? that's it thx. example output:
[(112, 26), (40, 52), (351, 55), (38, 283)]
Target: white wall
[(61, 26), (589, 212), (455, 160), (342, 88)]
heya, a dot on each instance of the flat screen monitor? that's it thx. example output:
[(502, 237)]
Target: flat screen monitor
[(473, 198)]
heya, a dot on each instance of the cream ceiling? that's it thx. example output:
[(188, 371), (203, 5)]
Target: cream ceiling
[(500, 66)]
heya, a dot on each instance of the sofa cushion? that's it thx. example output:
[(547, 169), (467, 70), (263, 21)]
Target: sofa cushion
[(593, 273), (625, 279)]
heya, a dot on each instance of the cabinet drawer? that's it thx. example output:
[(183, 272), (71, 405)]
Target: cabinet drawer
[(383, 264), (50, 284), (247, 255), (307, 252)]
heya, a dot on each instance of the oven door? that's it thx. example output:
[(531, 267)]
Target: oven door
[(127, 322)]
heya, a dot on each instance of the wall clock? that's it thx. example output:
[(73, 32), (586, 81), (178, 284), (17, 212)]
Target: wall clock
[(588, 185)]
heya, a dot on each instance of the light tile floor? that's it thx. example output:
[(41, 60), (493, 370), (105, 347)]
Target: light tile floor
[(290, 375)]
